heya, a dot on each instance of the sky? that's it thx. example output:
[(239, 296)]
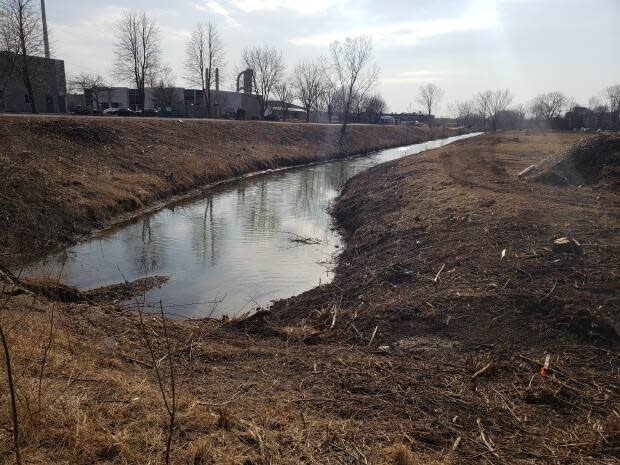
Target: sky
[(463, 46)]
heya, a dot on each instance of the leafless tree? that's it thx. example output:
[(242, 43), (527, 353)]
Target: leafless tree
[(309, 85), (465, 113), (331, 100), (9, 58), (375, 107), (203, 54), (164, 90), (91, 83), (351, 60), (429, 97), (268, 66), (613, 102), (482, 101), (284, 93), (137, 50), (599, 110), (21, 24), (498, 101), (550, 105)]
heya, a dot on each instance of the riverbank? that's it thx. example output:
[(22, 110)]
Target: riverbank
[(426, 348), (67, 176)]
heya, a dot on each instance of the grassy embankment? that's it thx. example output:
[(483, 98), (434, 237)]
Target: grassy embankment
[(466, 328), (62, 177)]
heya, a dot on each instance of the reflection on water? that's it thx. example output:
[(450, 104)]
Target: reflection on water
[(233, 245)]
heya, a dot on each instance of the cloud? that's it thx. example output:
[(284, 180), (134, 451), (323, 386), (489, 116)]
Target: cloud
[(215, 7), (481, 15), (94, 51), (413, 76), (304, 7)]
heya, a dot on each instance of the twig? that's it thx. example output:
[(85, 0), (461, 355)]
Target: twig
[(482, 370), (372, 338), (439, 272), (10, 381), (551, 291)]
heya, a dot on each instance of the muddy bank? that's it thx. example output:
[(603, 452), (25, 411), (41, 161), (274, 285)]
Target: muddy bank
[(450, 259), (427, 348), (64, 177)]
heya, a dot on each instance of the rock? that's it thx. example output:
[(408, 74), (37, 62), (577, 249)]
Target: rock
[(567, 245)]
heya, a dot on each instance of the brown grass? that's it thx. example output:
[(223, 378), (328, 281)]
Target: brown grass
[(402, 455), (62, 177), (258, 392)]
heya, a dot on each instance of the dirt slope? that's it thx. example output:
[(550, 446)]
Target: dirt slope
[(450, 257), (592, 161), (62, 177), (452, 375)]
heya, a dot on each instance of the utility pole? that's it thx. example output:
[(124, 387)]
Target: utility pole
[(46, 41)]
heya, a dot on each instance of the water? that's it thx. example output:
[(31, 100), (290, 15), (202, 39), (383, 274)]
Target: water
[(233, 250)]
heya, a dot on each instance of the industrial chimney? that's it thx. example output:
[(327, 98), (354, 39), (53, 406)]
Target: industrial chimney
[(46, 41)]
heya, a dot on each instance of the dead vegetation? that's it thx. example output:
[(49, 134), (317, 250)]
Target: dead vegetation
[(453, 334), (591, 161), (452, 257), (64, 177)]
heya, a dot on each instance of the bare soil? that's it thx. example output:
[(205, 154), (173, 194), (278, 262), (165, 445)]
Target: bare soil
[(63, 177), (427, 348)]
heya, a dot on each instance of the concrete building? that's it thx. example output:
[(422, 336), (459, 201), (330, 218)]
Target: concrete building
[(48, 82), (276, 109), (178, 101)]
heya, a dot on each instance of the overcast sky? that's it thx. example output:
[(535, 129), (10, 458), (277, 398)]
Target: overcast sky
[(464, 46)]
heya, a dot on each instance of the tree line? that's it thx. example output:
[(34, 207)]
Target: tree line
[(493, 109), (341, 84)]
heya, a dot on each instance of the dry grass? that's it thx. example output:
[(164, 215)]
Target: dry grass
[(241, 400), (402, 455), (303, 390), (62, 177)]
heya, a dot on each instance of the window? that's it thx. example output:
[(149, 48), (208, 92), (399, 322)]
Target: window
[(27, 98)]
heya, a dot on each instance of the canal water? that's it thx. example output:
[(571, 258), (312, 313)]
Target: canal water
[(238, 247)]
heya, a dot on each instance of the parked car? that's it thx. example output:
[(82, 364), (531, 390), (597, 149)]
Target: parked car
[(118, 112), (147, 112)]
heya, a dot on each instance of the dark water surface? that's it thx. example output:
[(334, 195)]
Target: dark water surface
[(237, 245)]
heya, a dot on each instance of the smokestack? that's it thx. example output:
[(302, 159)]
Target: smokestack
[(217, 79), (46, 41)]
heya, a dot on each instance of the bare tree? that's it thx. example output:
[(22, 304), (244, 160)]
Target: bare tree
[(429, 97), (351, 60), (599, 111), (482, 101), (164, 91), (203, 54), (498, 101), (375, 107), (465, 113), (137, 50), (285, 95), (9, 58), (268, 66), (309, 85), (613, 102), (21, 24), (550, 105), (93, 84), (331, 100)]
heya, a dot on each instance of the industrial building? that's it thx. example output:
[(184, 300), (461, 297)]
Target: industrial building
[(48, 82)]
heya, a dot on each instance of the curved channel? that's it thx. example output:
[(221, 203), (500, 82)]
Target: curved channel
[(242, 245)]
